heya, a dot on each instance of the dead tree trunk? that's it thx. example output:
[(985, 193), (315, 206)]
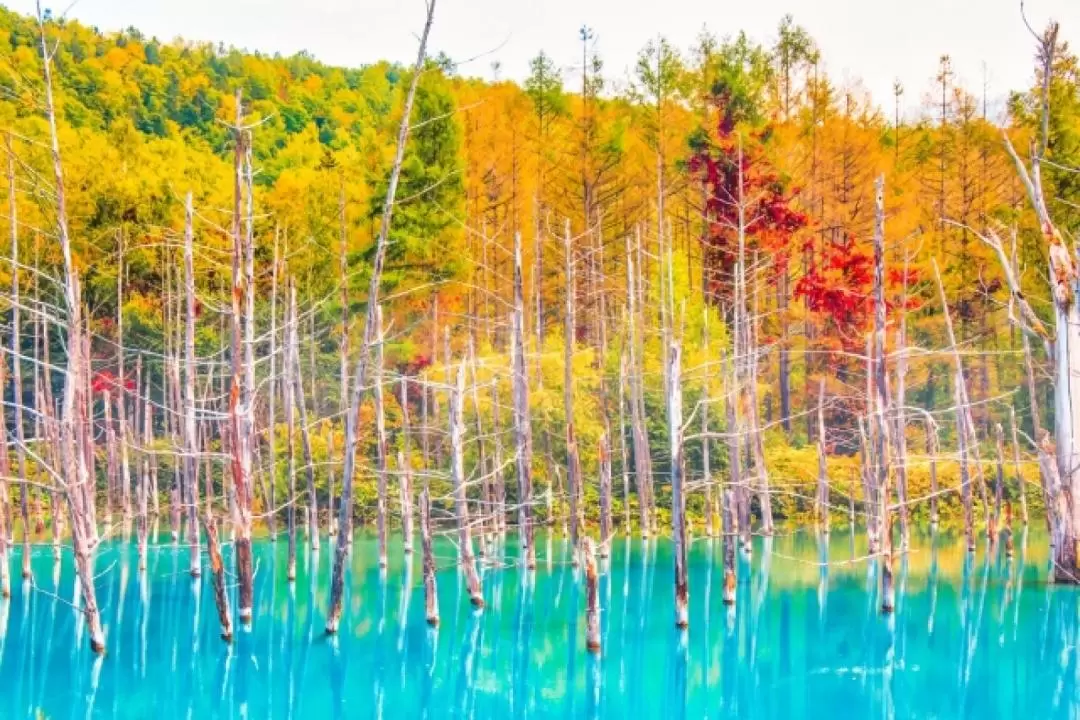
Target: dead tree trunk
[(485, 520), (961, 418), (76, 472), (932, 451), (312, 511), (290, 427), (16, 372), (405, 468), (380, 435), (431, 591), (822, 499), (882, 401), (624, 456), (678, 500), (730, 540), (1059, 460), (639, 435), (573, 461), (337, 577), (522, 422), (592, 599), (144, 479), (606, 532), (901, 419), (274, 383), (1021, 491), (741, 510), (190, 462), (457, 473), (999, 481), (706, 442)]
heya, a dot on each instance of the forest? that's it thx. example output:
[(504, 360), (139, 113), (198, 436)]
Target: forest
[(253, 297)]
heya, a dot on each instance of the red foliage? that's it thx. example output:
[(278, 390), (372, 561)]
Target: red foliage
[(105, 381), (838, 283), (770, 220)]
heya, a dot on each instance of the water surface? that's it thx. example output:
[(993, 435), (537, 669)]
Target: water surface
[(981, 636)]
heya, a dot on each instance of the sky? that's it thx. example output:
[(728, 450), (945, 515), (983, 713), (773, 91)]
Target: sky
[(871, 43)]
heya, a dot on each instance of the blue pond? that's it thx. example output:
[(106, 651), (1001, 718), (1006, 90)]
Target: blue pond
[(973, 636)]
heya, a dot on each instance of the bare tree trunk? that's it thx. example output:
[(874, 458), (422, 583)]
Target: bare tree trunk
[(457, 473), (1021, 491), (639, 435), (730, 540), (312, 513), (498, 477), (706, 441), (961, 418), (144, 480), (290, 426), (337, 581), (606, 531), (190, 465), (271, 422), (901, 419), (882, 402), (573, 461), (431, 591), (822, 499), (405, 468), (485, 521), (380, 435), (217, 572), (77, 475), (522, 421), (932, 451), (16, 370), (5, 473), (623, 454), (592, 598), (735, 469), (678, 500), (999, 483)]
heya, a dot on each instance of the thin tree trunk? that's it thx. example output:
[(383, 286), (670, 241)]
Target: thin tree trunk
[(75, 470), (606, 531), (312, 513), (961, 418), (999, 482), (380, 435), (16, 370), (639, 435), (573, 461), (822, 500), (932, 451), (337, 581), (592, 598), (624, 456), (457, 473), (271, 422), (431, 591), (522, 421), (290, 427), (1021, 491), (144, 480), (730, 540), (405, 468), (678, 500)]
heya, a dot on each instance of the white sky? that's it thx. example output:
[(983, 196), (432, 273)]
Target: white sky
[(875, 42)]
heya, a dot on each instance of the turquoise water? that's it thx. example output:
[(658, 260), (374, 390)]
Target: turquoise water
[(985, 637)]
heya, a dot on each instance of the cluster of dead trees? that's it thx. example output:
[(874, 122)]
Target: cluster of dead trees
[(206, 421)]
